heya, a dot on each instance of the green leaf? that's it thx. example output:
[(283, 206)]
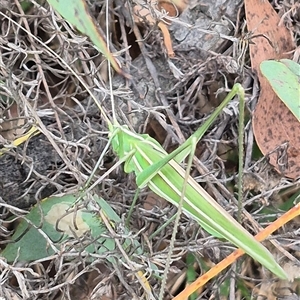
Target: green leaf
[(42, 232), (77, 13), (284, 77), (293, 66), (191, 274)]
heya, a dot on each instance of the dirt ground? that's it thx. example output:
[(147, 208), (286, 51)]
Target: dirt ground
[(167, 98)]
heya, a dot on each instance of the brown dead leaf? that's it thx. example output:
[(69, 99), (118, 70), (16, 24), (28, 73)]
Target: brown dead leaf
[(12, 126), (274, 125)]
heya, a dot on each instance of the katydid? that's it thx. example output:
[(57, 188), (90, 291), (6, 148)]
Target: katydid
[(160, 171)]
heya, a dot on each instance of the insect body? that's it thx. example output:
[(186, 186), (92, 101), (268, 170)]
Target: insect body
[(160, 171)]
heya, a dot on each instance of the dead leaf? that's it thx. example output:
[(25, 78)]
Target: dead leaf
[(274, 125), (69, 223)]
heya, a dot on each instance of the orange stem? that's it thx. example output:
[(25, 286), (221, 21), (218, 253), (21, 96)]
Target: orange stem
[(288, 216), (167, 38)]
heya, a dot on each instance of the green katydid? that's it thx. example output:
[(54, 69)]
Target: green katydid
[(160, 171)]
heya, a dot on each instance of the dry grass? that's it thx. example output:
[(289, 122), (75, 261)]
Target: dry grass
[(37, 88)]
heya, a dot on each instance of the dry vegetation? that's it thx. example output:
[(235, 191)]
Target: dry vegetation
[(167, 101)]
